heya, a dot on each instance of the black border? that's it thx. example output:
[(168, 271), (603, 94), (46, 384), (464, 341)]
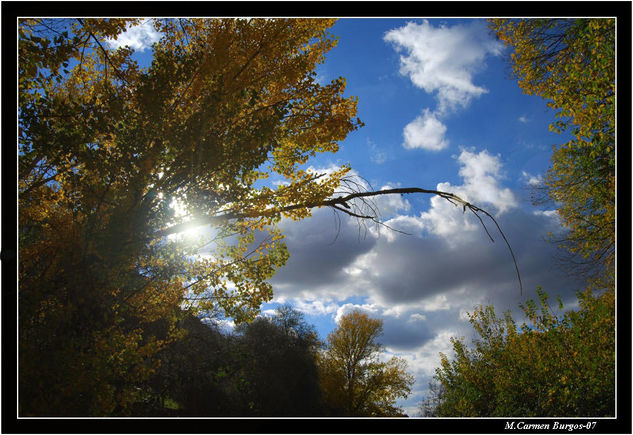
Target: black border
[(10, 10)]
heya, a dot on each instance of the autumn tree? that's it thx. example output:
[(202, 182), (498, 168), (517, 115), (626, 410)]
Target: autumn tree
[(354, 379), (571, 64), (553, 365), (106, 151)]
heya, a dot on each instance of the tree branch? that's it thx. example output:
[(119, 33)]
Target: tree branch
[(341, 203)]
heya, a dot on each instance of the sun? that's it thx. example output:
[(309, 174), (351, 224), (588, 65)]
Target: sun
[(180, 211)]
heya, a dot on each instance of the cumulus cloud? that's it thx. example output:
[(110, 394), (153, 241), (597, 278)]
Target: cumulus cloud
[(390, 205), (447, 263), (370, 309), (481, 173), (139, 37), (426, 132), (442, 60), (321, 252)]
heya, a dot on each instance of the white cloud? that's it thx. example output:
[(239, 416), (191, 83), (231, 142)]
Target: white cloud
[(551, 214), (443, 60), (448, 252), (376, 155), (532, 180), (426, 132), (314, 307), (437, 303), (389, 205), (481, 173), (139, 37), (369, 309), (523, 119)]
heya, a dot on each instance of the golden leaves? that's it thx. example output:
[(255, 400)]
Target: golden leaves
[(224, 104), (353, 380)]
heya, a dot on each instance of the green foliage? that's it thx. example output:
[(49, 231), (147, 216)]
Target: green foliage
[(354, 381), (553, 365), (571, 63), (105, 147)]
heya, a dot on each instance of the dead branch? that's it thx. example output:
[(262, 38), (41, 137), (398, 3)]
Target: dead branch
[(345, 204)]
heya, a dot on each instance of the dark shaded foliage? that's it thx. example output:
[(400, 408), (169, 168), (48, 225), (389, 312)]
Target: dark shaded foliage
[(266, 368)]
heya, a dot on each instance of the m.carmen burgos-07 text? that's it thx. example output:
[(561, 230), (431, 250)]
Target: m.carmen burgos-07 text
[(522, 425)]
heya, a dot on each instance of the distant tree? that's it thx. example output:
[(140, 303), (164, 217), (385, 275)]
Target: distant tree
[(354, 381), (277, 360), (428, 406), (554, 365), (571, 64)]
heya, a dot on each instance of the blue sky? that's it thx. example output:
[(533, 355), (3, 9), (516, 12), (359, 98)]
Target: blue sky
[(441, 112)]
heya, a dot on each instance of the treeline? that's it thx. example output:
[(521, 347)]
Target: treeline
[(264, 368), (275, 366)]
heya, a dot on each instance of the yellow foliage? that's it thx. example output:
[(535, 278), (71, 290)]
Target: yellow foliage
[(107, 146)]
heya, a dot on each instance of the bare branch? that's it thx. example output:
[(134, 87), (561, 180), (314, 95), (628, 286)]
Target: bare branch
[(345, 205)]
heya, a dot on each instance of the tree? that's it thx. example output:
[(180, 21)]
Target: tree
[(429, 406), (106, 147), (197, 375), (264, 368), (115, 161), (278, 363), (353, 379), (553, 365), (571, 64)]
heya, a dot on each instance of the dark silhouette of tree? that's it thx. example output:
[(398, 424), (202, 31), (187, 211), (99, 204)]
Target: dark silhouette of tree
[(278, 357), (265, 368)]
